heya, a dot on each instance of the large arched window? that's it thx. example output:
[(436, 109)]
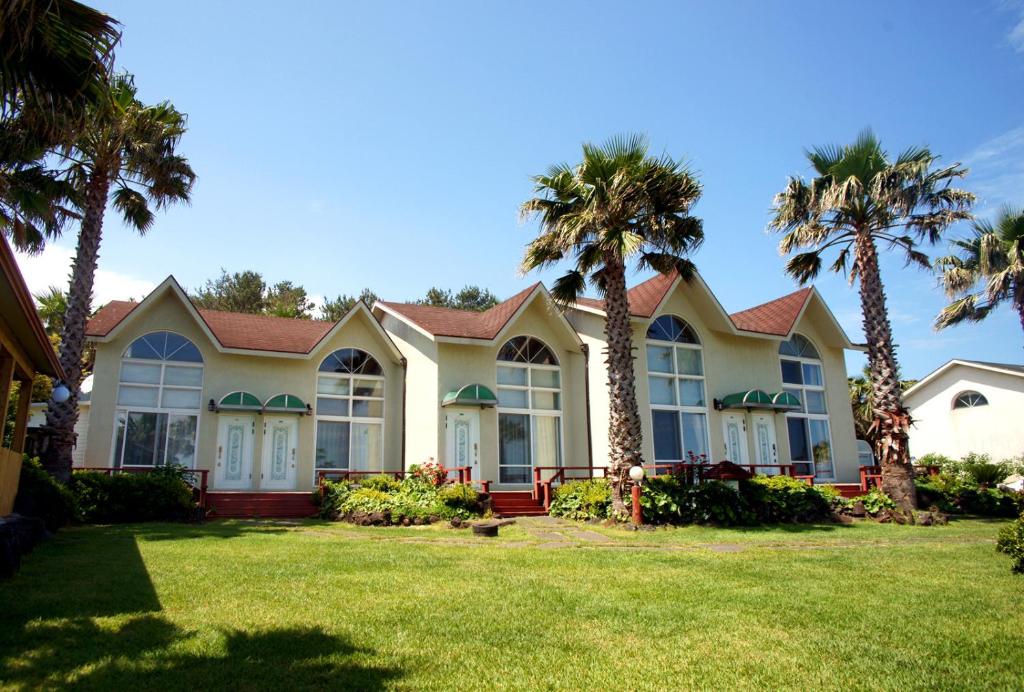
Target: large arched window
[(969, 399), (158, 400), (810, 440), (675, 380), (349, 411), (529, 409)]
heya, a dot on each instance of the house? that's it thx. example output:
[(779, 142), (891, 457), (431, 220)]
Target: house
[(763, 387), (968, 406), (502, 391), (25, 351), (266, 405)]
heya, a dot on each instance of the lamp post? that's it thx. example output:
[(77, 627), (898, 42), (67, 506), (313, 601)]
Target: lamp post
[(636, 474)]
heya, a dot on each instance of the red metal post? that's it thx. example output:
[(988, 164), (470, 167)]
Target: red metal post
[(638, 512)]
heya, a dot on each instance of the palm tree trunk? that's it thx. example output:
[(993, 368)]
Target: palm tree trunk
[(61, 417), (624, 416), (891, 421), (1018, 301)]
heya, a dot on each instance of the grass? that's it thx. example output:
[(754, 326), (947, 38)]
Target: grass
[(261, 606)]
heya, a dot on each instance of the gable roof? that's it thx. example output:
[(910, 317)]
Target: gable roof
[(233, 331), (464, 324), (644, 298), (777, 317), (1004, 368)]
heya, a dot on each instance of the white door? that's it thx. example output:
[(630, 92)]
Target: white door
[(236, 436), (462, 440), (765, 449), (280, 438), (734, 428)]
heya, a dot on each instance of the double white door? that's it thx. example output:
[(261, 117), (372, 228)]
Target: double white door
[(762, 428), (236, 437)]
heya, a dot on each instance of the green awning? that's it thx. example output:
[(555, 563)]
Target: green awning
[(470, 395), (285, 403), (239, 401), (752, 398), (785, 400)]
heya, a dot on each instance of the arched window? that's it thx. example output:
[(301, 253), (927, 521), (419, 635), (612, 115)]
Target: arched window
[(529, 409), (810, 440), (350, 411), (675, 381), (159, 395), (969, 399)]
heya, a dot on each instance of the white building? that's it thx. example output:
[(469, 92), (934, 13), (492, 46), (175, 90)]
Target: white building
[(968, 406)]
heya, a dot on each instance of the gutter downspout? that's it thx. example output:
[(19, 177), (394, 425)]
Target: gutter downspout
[(586, 394), (405, 404)]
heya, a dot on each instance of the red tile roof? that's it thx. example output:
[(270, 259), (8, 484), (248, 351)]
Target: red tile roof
[(775, 317), (464, 324), (233, 330)]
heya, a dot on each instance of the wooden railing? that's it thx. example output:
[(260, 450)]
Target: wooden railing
[(197, 478), (870, 476), (463, 476)]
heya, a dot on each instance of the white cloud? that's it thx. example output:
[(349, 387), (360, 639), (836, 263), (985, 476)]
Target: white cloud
[(52, 267), (997, 170)]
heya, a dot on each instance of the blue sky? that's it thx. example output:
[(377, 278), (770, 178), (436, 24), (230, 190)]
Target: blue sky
[(389, 145)]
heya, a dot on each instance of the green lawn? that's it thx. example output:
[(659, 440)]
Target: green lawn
[(261, 606)]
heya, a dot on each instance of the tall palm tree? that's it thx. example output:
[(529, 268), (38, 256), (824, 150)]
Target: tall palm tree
[(617, 206), (126, 154), (993, 255), (859, 198), (55, 58), (51, 306)]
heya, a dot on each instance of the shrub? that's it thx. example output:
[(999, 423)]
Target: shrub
[(159, 495), (582, 499), (955, 494), (670, 499), (384, 483), (41, 496), (785, 499), (328, 498), (1011, 542), (933, 459), (367, 500), (875, 501), (429, 472), (459, 500)]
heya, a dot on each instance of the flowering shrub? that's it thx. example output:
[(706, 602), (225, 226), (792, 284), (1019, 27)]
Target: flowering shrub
[(430, 472), (388, 501)]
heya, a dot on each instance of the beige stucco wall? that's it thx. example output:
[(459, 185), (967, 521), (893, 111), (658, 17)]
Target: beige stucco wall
[(731, 364), (421, 423), (994, 429), (264, 376)]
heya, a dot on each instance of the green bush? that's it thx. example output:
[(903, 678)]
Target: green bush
[(40, 496), (459, 500), (671, 499), (875, 501), (329, 496), (159, 495), (777, 499), (1011, 542), (367, 500), (582, 499), (386, 484), (962, 494)]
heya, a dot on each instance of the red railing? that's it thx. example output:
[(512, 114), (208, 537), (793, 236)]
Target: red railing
[(463, 476), (197, 478), (870, 475)]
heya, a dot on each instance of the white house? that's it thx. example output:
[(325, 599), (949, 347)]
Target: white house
[(968, 406)]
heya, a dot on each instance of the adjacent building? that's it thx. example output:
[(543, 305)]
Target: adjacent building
[(968, 406)]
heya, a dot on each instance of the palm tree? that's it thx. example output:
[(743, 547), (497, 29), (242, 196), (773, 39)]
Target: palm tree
[(51, 306), (126, 154), (860, 197), (995, 255), (55, 58), (619, 204)]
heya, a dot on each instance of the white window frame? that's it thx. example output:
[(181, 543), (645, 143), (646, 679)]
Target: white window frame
[(531, 412), (675, 377), (969, 405), (350, 419), (126, 410), (798, 390)]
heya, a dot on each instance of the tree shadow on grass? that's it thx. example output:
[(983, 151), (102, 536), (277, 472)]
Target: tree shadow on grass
[(209, 529), (149, 652)]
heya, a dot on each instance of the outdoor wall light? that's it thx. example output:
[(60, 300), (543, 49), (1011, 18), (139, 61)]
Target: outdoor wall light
[(212, 406), (61, 393), (309, 410)]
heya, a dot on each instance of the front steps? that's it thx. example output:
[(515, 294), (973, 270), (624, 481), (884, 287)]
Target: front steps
[(507, 503), (243, 504)]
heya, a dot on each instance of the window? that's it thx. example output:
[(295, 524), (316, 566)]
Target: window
[(349, 411), (675, 380), (529, 409), (810, 441), (969, 399), (159, 393)]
